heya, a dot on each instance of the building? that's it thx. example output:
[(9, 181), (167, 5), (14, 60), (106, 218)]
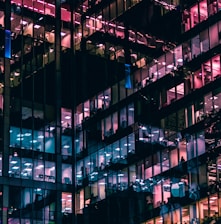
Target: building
[(110, 111)]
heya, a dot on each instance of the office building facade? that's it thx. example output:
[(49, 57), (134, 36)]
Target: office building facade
[(110, 111)]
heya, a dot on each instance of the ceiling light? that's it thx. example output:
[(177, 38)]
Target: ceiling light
[(67, 117), (120, 175), (28, 169), (105, 97), (66, 146), (51, 128), (36, 26), (23, 22), (33, 141), (19, 139), (101, 183), (169, 66), (15, 167), (39, 166)]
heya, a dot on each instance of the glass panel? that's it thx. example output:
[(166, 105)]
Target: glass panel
[(50, 171), (195, 46), (38, 170), (186, 18), (200, 142), (156, 163), (194, 15), (198, 79), (131, 143), (66, 145), (204, 41), (66, 202), (157, 195), (115, 122), (165, 160), (122, 90), (116, 152), (161, 66), (49, 140), (213, 36), (203, 10), (123, 180), (212, 7), (216, 67), (191, 153), (66, 173), (26, 168), (124, 148), (208, 103), (174, 157), (130, 114), (27, 140), (14, 166), (123, 116), (148, 168), (66, 120), (80, 173), (153, 72), (114, 94), (185, 214), (186, 51), (178, 55), (166, 190)]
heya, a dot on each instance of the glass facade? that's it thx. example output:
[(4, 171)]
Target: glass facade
[(110, 112)]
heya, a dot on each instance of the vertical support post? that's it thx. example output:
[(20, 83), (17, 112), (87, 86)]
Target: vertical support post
[(6, 109)]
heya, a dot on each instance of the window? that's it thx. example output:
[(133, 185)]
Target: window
[(66, 202), (14, 166), (195, 46), (26, 168), (66, 173), (66, 145)]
